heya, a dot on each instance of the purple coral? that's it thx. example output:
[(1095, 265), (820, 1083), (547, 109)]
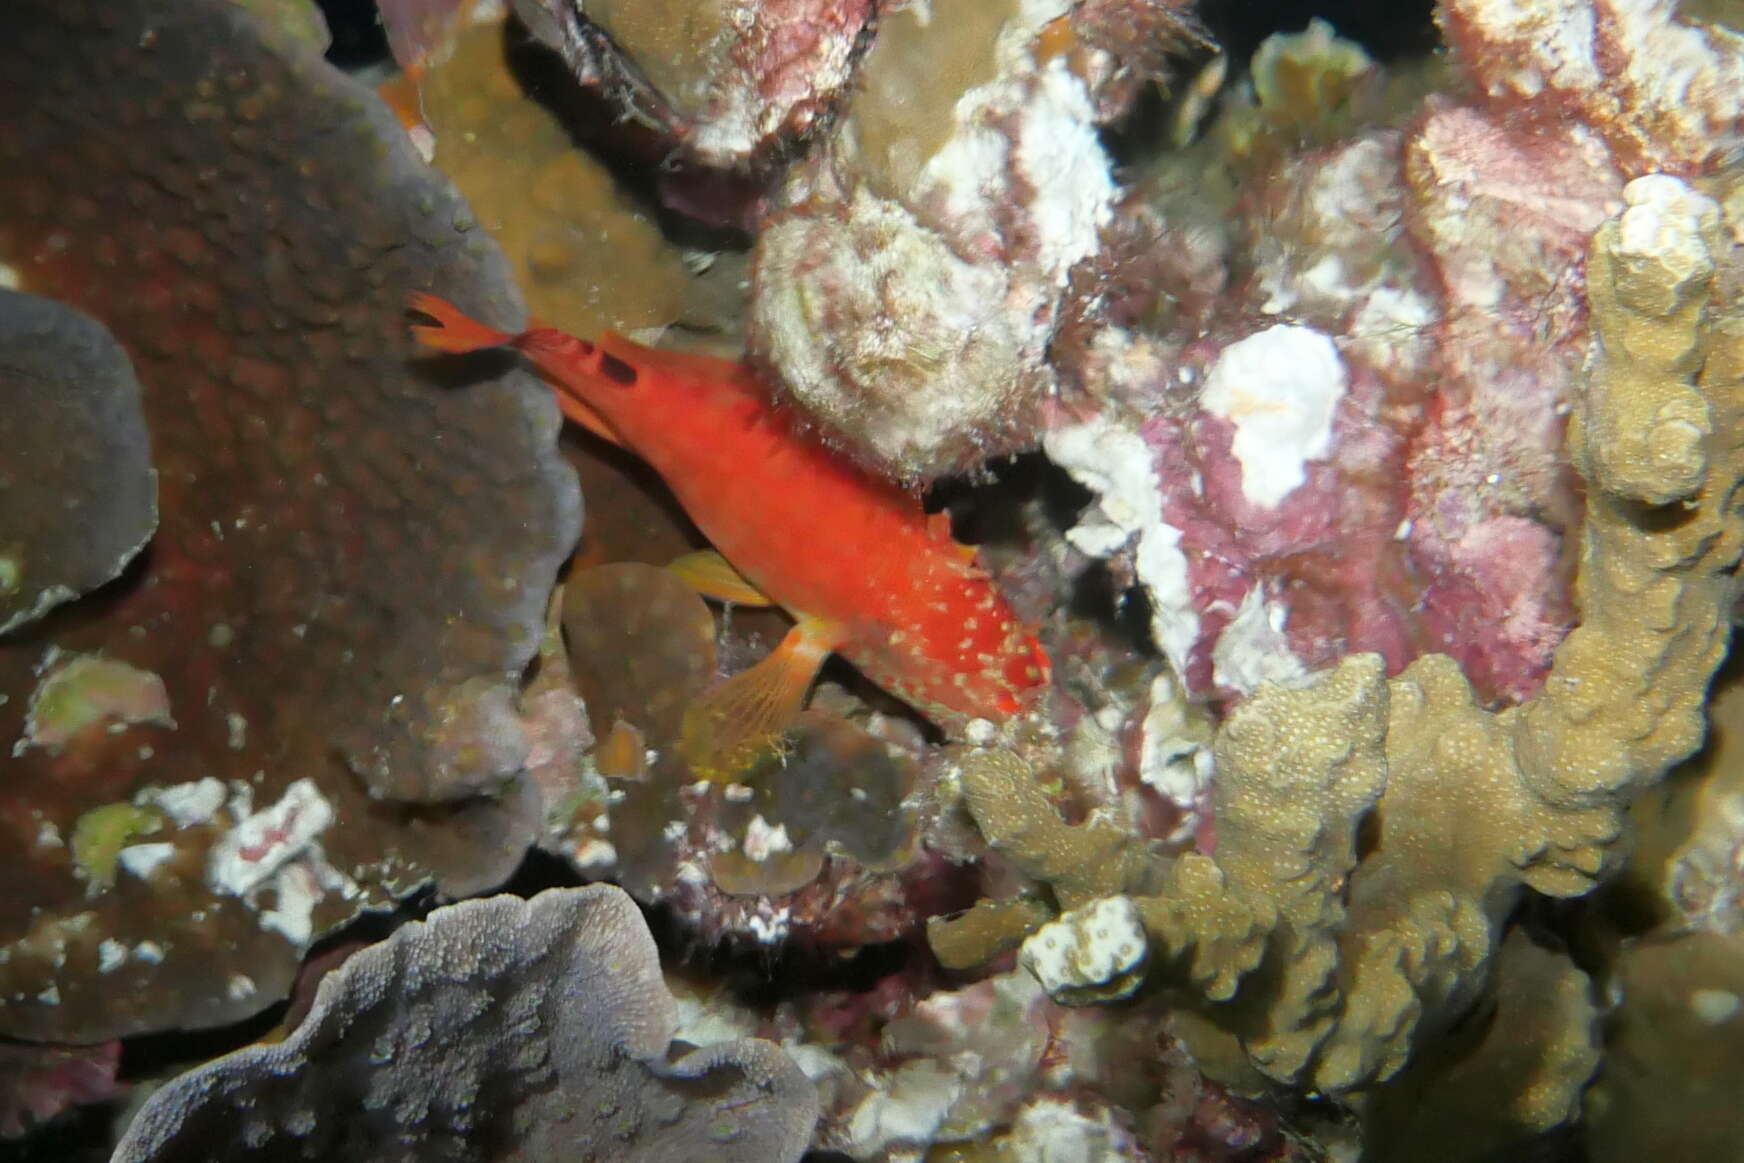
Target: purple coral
[(502, 1030)]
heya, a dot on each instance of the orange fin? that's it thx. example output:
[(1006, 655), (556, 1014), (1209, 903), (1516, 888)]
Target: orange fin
[(454, 330), (712, 576), (736, 724), (578, 411), (457, 333)]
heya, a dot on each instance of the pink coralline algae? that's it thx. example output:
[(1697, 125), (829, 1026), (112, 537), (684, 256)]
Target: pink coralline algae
[(1355, 443)]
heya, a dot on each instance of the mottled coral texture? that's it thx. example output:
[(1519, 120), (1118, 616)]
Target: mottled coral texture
[(353, 558), (1372, 836), (814, 846), (916, 265), (727, 82), (499, 1030)]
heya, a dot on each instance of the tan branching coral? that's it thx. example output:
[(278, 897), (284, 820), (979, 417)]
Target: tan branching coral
[(1372, 835)]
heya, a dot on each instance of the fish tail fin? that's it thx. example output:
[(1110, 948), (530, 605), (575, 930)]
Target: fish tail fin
[(454, 330), (742, 720)]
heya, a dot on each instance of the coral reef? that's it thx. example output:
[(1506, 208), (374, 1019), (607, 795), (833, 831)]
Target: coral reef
[(1378, 529), (729, 83), (351, 568), (1333, 957), (497, 1029), (915, 266), (815, 844), (1674, 971), (585, 254), (1339, 427), (78, 497), (997, 1072), (1676, 1040)]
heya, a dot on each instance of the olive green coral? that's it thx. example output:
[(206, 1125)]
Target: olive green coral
[(1373, 835)]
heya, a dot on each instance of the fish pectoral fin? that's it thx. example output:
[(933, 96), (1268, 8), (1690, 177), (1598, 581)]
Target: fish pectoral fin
[(939, 529), (712, 576), (739, 722), (579, 411)]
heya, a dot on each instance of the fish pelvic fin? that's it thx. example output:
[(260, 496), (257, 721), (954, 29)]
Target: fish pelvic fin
[(732, 727), (712, 576)]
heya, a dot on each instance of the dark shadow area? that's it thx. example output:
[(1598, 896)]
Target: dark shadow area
[(1387, 29), (359, 40)]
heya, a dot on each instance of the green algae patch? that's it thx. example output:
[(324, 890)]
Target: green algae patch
[(101, 834)]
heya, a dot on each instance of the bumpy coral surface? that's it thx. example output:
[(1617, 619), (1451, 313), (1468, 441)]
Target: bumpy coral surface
[(917, 265), (814, 845), (730, 82), (78, 497), (1342, 429), (1369, 947), (586, 256), (353, 559), (505, 1030)]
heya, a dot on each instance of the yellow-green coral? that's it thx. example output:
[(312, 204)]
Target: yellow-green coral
[(1373, 835)]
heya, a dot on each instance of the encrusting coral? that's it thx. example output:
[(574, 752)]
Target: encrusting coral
[(585, 255), (499, 1030), (729, 83), (78, 496), (814, 843), (217, 759), (917, 264), (1373, 835)]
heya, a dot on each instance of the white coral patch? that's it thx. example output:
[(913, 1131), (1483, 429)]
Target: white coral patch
[(1279, 388), (250, 853), (1053, 1130), (1562, 32), (142, 860), (185, 803), (111, 954), (1119, 467), (1664, 232), (762, 840), (278, 849), (1252, 649), (909, 1108), (1098, 949), (1169, 762)]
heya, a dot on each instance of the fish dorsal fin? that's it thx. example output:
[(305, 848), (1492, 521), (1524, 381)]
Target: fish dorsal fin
[(712, 576)]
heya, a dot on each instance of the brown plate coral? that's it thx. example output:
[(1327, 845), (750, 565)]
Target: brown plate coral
[(301, 702)]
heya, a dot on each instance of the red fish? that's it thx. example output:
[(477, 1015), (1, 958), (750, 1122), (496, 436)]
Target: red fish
[(863, 569)]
